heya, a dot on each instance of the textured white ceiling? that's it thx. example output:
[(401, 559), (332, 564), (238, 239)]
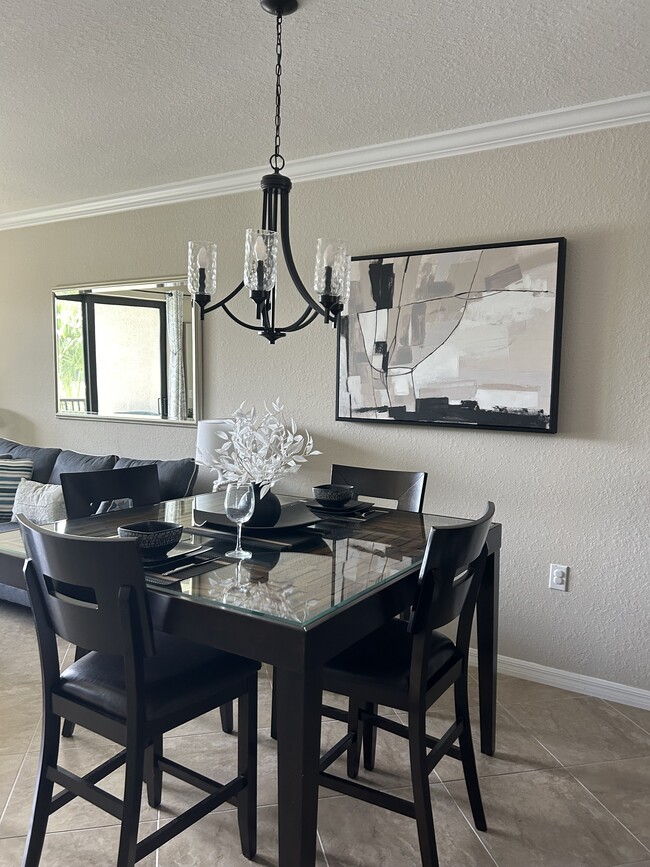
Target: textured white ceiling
[(105, 97)]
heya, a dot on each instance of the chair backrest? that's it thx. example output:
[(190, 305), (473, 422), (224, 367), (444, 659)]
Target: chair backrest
[(404, 487), (451, 561), (86, 590), (84, 492)]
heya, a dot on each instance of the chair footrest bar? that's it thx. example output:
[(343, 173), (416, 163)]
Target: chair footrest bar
[(189, 817), (443, 744), (370, 796), (94, 776), (334, 713), (337, 750), (189, 776), (386, 725), (80, 787)]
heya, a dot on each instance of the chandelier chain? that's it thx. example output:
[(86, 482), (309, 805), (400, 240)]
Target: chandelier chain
[(277, 160)]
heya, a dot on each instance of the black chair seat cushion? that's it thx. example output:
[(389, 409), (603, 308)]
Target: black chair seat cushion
[(381, 661), (180, 674)]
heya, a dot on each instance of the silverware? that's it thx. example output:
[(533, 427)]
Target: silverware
[(190, 566)]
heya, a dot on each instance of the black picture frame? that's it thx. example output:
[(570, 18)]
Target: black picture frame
[(473, 341)]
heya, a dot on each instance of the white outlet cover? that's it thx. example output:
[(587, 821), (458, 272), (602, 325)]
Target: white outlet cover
[(558, 577)]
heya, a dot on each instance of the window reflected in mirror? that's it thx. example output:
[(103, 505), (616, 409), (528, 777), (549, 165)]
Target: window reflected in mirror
[(128, 351)]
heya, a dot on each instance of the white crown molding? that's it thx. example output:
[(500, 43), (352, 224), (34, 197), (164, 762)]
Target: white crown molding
[(621, 111), (580, 683)]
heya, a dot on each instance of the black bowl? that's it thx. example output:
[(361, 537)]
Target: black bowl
[(333, 496), (155, 538)]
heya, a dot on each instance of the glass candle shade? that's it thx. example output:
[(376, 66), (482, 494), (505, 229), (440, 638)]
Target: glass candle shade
[(260, 262), (202, 268), (332, 273)]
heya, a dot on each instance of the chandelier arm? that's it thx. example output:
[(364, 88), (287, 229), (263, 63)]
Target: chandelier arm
[(301, 320), (306, 319), (241, 322), (288, 258), (225, 300)]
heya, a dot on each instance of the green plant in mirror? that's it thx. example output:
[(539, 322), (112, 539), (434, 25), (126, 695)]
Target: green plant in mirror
[(70, 354)]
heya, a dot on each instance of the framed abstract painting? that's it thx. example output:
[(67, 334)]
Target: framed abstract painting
[(457, 337)]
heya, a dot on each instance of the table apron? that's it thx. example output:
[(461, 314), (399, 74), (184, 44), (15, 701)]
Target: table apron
[(294, 648)]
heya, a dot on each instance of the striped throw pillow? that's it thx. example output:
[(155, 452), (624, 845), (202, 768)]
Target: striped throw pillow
[(11, 472)]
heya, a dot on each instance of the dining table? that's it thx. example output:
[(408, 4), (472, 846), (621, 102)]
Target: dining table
[(313, 587)]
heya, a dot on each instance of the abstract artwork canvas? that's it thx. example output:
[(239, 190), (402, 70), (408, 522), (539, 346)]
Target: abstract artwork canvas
[(460, 337)]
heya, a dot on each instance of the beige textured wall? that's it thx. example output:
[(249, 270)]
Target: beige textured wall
[(578, 498)]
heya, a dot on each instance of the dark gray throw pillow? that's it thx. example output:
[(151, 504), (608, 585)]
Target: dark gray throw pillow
[(75, 462), (43, 459), (176, 477)]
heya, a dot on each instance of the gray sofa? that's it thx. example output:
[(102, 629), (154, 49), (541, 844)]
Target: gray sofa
[(177, 479)]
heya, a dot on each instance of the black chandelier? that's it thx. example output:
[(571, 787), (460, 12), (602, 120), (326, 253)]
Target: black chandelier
[(332, 272)]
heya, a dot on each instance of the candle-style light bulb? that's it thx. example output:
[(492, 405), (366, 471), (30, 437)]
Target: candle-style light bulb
[(260, 254), (260, 249), (202, 262), (328, 258)]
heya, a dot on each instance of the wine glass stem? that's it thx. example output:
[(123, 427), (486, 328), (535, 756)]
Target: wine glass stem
[(238, 549)]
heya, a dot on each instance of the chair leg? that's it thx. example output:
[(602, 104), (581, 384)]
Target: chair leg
[(247, 767), (153, 773), (369, 739), (227, 717), (467, 754), (421, 791), (357, 726), (43, 794), (68, 727), (135, 751)]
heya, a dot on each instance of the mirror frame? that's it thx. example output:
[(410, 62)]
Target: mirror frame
[(157, 284)]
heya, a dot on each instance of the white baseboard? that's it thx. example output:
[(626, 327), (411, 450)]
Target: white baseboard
[(581, 683)]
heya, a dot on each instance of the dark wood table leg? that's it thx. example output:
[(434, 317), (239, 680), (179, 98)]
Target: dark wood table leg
[(298, 704), (487, 633)]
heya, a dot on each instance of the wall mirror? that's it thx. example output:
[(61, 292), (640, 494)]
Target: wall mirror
[(128, 351)]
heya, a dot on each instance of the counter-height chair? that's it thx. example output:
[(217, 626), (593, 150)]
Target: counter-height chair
[(84, 494), (132, 687), (408, 665), (406, 488)]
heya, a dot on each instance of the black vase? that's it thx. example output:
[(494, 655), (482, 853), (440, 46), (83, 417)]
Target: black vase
[(267, 509)]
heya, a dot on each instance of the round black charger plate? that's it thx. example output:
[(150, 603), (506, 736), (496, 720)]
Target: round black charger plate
[(293, 515), (350, 508)]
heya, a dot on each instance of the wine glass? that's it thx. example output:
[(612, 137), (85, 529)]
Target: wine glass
[(239, 505)]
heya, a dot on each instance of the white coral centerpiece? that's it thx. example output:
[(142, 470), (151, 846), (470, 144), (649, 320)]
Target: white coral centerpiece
[(260, 451)]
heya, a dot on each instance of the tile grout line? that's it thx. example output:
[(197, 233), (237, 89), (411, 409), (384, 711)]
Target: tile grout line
[(578, 764), (634, 722), (470, 824), (598, 801), (322, 846), (20, 767), (536, 739)]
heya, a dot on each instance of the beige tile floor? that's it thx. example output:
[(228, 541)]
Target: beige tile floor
[(569, 785)]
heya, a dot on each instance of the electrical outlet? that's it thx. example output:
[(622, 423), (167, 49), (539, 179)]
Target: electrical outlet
[(558, 577)]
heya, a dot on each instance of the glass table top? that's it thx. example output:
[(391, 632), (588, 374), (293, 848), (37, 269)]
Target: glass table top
[(344, 559), (296, 587)]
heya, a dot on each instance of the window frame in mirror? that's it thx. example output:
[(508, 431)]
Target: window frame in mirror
[(156, 286)]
